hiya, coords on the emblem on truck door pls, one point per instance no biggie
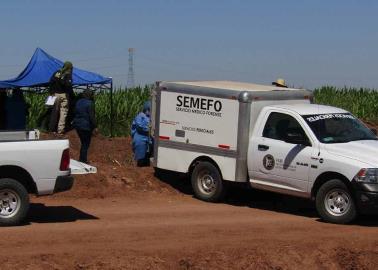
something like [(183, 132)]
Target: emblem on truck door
[(268, 162)]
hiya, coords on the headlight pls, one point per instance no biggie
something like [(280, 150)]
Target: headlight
[(367, 176)]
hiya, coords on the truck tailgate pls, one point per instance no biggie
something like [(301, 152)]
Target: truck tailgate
[(81, 168)]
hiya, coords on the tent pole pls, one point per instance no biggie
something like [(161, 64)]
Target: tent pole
[(111, 109)]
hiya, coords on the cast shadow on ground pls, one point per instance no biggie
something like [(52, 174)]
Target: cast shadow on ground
[(178, 181), (245, 197), (40, 213)]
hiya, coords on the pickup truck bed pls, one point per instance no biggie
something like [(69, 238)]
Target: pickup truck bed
[(29, 165)]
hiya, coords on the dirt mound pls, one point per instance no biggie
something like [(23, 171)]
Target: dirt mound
[(117, 174)]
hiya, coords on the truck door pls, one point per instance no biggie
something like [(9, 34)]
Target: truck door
[(276, 162)]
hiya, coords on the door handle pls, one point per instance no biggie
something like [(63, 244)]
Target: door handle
[(262, 147)]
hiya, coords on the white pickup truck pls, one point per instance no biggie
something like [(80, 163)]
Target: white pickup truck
[(32, 166), (270, 137)]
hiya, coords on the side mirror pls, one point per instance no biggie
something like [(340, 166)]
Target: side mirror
[(374, 131), (296, 138)]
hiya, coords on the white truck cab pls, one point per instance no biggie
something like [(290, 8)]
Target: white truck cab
[(271, 137)]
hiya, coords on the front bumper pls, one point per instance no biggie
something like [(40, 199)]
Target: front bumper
[(366, 197), (63, 183)]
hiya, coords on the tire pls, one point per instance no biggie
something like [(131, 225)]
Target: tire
[(207, 182), (335, 203), (14, 202)]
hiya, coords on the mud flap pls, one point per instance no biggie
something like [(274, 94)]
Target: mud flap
[(81, 168)]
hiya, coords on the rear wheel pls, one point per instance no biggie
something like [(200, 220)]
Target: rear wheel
[(14, 202), (207, 182), (335, 203)]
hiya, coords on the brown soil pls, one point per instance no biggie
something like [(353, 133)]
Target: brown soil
[(125, 218), (117, 174)]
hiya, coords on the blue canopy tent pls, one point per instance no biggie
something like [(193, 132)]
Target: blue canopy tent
[(4, 85), (41, 67)]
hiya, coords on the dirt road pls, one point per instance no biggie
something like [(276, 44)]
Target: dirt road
[(156, 231), (125, 218)]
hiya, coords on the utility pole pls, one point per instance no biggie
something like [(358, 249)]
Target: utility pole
[(130, 75)]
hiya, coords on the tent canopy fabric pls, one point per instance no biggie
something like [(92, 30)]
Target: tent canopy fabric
[(4, 85), (42, 66)]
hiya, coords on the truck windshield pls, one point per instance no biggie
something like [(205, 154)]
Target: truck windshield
[(338, 128)]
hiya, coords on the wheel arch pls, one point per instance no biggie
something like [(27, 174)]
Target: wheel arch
[(202, 159), (325, 177), (20, 175)]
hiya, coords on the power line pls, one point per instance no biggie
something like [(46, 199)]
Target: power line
[(130, 75)]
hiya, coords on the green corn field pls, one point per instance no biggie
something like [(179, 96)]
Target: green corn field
[(126, 105), (361, 102)]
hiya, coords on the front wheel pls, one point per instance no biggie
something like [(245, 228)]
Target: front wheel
[(335, 203), (207, 182), (14, 202)]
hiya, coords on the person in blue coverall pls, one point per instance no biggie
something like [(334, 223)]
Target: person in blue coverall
[(141, 140)]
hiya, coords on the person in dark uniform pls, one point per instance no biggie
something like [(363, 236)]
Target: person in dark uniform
[(16, 111), (84, 122), (61, 87)]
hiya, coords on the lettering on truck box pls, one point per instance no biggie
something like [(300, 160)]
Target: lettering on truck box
[(199, 105), (199, 119)]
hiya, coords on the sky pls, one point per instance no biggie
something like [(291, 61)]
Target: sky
[(308, 43)]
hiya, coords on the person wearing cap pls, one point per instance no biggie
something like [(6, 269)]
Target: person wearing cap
[(84, 122), (280, 83), (61, 87), (141, 141)]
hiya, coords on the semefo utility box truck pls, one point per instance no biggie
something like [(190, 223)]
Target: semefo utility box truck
[(272, 138)]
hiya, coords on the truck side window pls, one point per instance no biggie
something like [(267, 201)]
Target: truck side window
[(279, 124)]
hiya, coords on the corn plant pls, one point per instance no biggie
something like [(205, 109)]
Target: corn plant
[(362, 102), (36, 110), (126, 105)]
